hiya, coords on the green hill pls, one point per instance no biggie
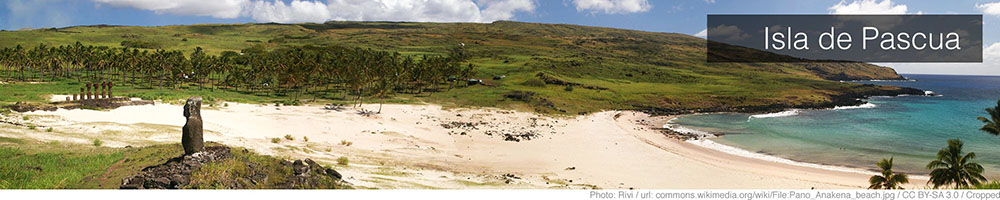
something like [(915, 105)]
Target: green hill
[(552, 68)]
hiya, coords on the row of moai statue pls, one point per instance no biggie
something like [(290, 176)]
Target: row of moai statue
[(88, 93)]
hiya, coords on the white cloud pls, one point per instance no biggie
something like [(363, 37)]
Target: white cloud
[(868, 7), (989, 8), (613, 6), (702, 34), (728, 33), (320, 11), (215, 8), (992, 53), (499, 9), (296, 11), (990, 65)]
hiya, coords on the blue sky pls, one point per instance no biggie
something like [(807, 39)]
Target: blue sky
[(681, 16)]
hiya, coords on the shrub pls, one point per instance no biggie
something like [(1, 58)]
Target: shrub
[(342, 160), (289, 137), (569, 88), (519, 95), (534, 82), (140, 44), (275, 140), (25, 118), (49, 129), (98, 142), (304, 138), (990, 185), (346, 143), (31, 127)]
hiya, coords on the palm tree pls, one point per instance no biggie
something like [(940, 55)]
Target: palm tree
[(991, 125), (952, 167), (888, 180)]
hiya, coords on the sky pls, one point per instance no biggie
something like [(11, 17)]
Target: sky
[(675, 16)]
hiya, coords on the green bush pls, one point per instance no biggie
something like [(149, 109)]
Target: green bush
[(49, 129), (569, 88), (534, 82), (289, 137), (342, 160), (98, 142), (304, 138), (275, 140)]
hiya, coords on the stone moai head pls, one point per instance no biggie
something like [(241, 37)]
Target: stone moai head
[(192, 108), (191, 138)]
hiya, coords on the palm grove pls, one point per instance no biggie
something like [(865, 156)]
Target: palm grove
[(287, 71)]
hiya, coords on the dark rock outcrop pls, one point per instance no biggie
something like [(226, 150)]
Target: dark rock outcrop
[(176, 172), (106, 103), (192, 138), (305, 174), (28, 107)]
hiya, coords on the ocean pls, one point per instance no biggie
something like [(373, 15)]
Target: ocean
[(910, 128)]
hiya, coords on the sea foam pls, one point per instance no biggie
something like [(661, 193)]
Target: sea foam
[(777, 114), (747, 154), (866, 105)]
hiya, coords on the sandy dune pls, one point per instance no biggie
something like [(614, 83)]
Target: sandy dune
[(406, 146)]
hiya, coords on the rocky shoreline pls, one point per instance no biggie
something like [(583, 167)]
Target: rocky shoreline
[(849, 99)]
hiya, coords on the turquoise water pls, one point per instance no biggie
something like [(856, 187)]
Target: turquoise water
[(911, 128)]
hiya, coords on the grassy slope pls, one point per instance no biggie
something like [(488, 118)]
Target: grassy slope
[(29, 164), (641, 69)]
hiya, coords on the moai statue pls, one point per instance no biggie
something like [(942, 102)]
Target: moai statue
[(83, 95), (111, 85), (90, 93), (68, 99), (104, 87), (86, 95), (192, 132), (75, 97)]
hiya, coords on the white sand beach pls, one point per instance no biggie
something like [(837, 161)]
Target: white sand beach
[(406, 146)]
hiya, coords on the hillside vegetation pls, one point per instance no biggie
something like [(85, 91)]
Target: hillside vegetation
[(551, 68)]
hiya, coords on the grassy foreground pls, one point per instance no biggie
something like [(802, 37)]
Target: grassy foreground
[(29, 164)]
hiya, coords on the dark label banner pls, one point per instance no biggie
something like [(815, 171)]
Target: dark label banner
[(838, 38)]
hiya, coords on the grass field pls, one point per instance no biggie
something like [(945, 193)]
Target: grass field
[(607, 68), (30, 164)]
